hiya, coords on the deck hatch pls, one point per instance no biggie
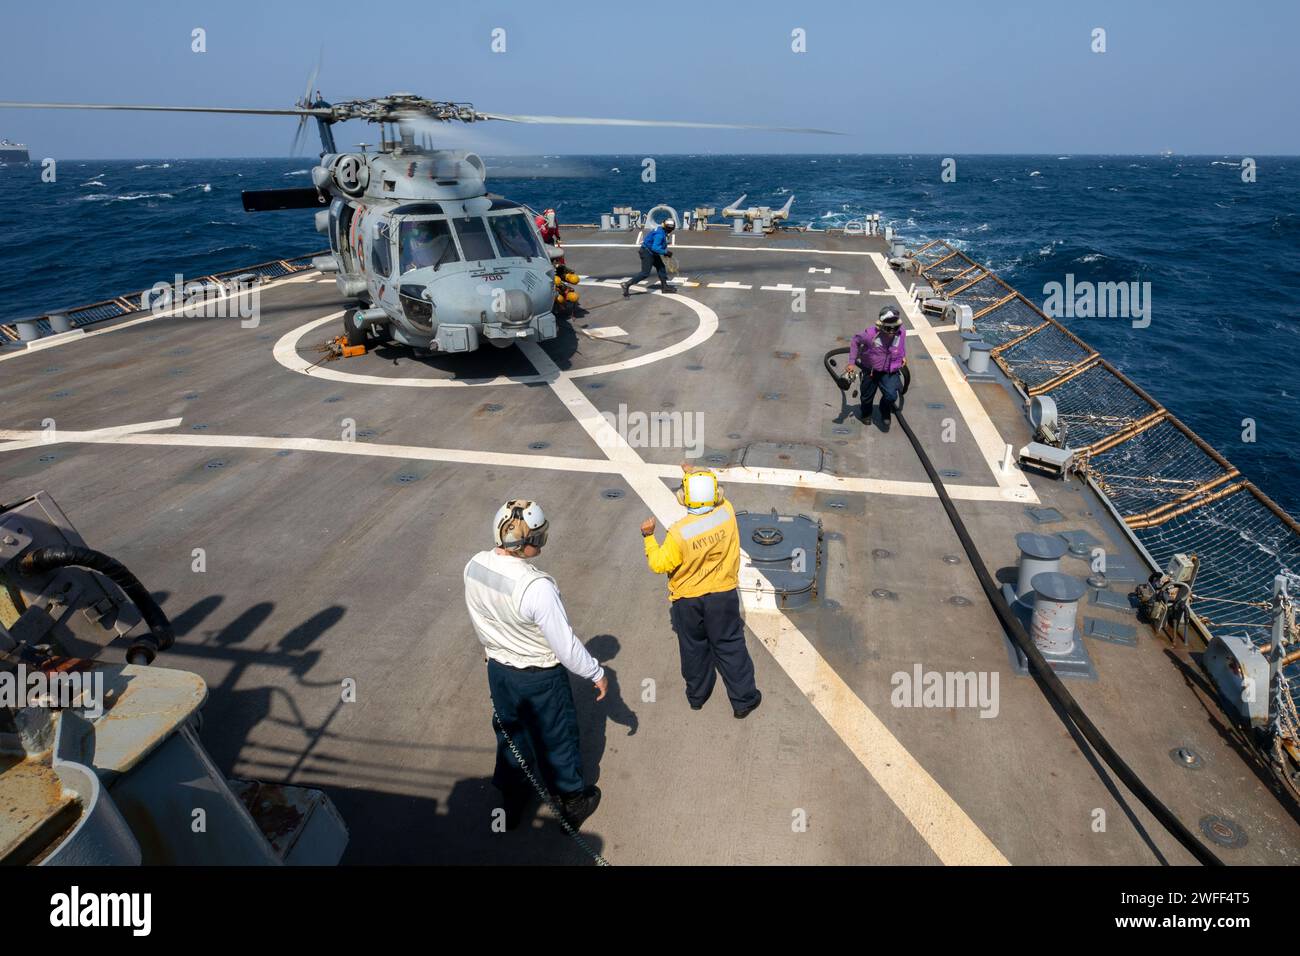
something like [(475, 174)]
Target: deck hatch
[(781, 558)]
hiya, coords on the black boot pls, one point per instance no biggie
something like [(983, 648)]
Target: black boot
[(625, 286), (886, 411), (578, 806), (665, 287), (746, 711)]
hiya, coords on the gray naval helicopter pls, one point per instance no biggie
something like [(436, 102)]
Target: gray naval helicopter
[(433, 259)]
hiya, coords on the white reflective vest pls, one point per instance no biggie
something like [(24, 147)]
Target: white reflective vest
[(494, 585)]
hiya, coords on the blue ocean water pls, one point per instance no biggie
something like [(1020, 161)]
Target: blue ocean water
[(1222, 255)]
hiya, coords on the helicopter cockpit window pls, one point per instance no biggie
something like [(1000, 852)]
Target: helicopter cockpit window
[(474, 241), (381, 252), (425, 243), (514, 235)]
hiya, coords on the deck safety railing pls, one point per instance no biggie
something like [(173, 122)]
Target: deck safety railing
[(1173, 491), (118, 306)]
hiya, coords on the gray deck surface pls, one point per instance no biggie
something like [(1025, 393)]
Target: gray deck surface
[(322, 565)]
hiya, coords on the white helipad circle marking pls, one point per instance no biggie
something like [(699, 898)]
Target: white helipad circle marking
[(286, 353)]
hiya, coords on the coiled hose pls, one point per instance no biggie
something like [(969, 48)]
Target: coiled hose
[(1046, 678), (143, 649), (844, 382)]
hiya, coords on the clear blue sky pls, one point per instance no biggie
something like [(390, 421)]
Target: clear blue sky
[(932, 76)]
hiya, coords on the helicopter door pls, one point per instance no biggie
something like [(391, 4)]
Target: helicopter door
[(381, 251), (343, 239)]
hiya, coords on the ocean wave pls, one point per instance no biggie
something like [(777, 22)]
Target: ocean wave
[(125, 197), (93, 182), (298, 172), (154, 166)]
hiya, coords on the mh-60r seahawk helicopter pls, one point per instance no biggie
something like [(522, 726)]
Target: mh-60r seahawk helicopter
[(434, 260)]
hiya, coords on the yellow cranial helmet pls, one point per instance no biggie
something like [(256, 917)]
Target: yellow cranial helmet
[(700, 489)]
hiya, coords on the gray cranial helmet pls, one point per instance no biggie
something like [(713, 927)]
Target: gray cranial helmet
[(889, 319)]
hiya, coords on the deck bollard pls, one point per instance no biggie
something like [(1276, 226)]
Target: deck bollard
[(1039, 553), (1056, 607)]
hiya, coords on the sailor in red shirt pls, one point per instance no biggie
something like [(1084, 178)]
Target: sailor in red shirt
[(549, 228)]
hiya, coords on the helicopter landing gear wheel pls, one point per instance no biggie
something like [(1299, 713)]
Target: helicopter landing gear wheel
[(353, 333)]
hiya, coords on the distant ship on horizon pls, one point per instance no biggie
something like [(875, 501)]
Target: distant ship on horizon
[(13, 152)]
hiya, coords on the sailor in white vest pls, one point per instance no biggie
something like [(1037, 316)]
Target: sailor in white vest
[(530, 648)]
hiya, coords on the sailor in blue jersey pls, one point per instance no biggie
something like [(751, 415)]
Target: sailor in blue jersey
[(653, 250)]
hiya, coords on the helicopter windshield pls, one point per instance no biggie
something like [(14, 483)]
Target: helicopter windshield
[(474, 241), (425, 243), (514, 235)]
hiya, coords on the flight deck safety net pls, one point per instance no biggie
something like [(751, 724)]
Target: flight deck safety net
[(1175, 493), (83, 315)]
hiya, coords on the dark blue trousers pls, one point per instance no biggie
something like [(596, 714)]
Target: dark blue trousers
[(536, 709), (711, 637), (889, 383), (650, 260)]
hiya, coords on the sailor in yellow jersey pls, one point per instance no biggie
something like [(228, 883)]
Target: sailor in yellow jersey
[(701, 556)]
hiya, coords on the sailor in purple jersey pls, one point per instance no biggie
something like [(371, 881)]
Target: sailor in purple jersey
[(879, 354)]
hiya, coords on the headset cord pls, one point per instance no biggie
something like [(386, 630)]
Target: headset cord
[(546, 794)]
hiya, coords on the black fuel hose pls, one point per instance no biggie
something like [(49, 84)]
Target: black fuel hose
[(1046, 678), (144, 648), (844, 383)]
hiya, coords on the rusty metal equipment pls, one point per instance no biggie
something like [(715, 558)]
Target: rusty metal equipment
[(100, 757)]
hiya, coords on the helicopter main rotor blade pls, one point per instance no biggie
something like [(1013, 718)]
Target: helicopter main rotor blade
[(165, 109), (596, 121)]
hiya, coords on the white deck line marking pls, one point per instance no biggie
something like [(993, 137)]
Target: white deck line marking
[(33, 438), (129, 435), (812, 269), (987, 437), (782, 287), (606, 332), (286, 353), (19, 440), (109, 436), (839, 290), (729, 284), (939, 820), (690, 246), (90, 334)]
